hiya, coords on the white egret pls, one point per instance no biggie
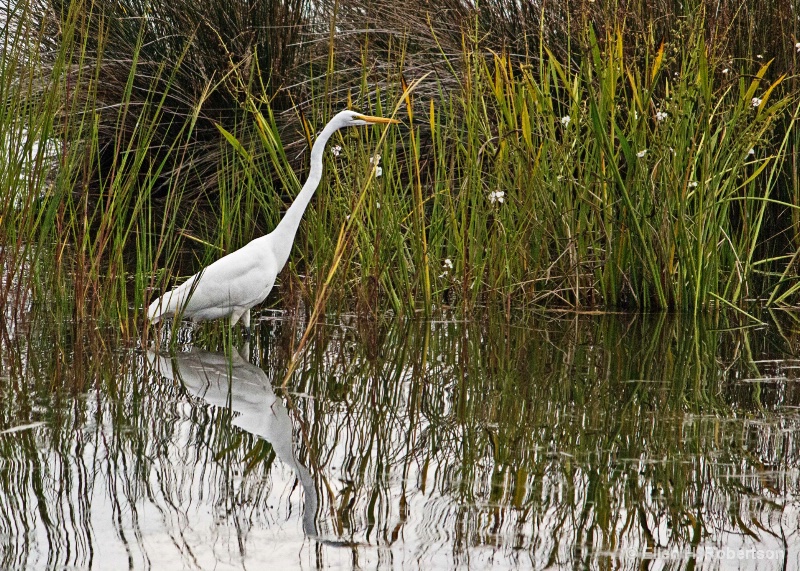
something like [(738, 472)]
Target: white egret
[(233, 284)]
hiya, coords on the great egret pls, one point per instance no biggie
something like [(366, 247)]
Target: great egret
[(233, 284)]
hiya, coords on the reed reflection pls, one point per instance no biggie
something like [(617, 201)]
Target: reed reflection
[(602, 441)]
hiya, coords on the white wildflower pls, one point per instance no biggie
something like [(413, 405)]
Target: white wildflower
[(726, 71), (797, 47), (378, 172), (447, 265), (377, 205), (755, 102), (336, 151), (641, 153), (751, 152), (759, 56), (497, 196), (693, 184), (661, 115), (565, 120)]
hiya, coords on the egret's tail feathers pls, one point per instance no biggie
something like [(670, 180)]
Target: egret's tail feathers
[(171, 302), (155, 312), (164, 306)]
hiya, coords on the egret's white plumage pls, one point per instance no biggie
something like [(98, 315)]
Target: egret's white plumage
[(233, 284)]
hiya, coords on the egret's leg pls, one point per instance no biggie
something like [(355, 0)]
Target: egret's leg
[(246, 323)]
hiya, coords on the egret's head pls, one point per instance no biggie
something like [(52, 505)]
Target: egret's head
[(352, 118)]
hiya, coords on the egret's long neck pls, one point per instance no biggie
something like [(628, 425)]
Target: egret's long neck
[(287, 228)]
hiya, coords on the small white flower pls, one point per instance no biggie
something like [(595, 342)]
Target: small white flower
[(641, 153), (759, 56), (726, 71), (797, 47), (755, 102), (635, 114), (377, 205), (447, 265), (497, 196), (378, 172), (336, 151), (661, 115), (693, 184), (375, 160), (751, 152), (565, 120)]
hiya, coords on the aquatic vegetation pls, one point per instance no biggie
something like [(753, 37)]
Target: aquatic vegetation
[(599, 440), (597, 166)]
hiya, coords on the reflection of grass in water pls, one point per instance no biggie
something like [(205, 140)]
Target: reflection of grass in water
[(565, 433), (511, 420)]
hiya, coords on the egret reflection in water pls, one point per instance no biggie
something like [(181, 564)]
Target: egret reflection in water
[(236, 384), (586, 441)]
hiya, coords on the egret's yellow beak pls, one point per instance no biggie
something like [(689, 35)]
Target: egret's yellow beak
[(371, 119)]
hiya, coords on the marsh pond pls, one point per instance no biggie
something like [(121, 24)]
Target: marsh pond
[(564, 441)]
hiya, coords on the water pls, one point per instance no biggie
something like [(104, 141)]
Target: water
[(607, 441)]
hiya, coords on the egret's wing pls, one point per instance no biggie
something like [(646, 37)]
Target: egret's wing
[(231, 281), (240, 279)]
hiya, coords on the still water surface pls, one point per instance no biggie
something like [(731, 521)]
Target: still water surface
[(601, 442)]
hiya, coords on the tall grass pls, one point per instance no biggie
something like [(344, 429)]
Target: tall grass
[(598, 169), (622, 185), (115, 208), (25, 127)]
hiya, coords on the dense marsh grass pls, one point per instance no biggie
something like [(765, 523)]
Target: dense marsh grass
[(601, 164), (620, 186)]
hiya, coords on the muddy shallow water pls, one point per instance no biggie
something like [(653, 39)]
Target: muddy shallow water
[(606, 441)]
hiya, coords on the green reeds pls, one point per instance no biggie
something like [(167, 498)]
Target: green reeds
[(95, 190), (600, 182), (642, 176)]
